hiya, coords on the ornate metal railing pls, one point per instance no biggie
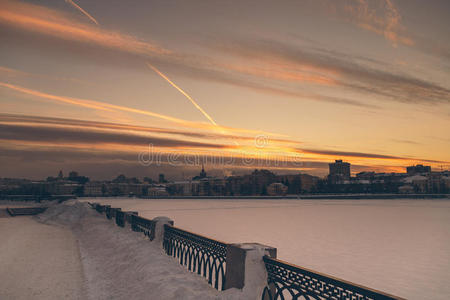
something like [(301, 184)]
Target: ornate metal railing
[(199, 254), (25, 211), (120, 218), (99, 208), (129, 214), (108, 211), (144, 225), (114, 212), (286, 281)]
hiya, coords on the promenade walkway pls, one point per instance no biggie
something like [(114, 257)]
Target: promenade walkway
[(72, 252), (38, 261)]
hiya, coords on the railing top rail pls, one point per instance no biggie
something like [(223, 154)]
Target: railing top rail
[(332, 279), (139, 218), (196, 234)]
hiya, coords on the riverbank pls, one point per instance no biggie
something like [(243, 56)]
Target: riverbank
[(313, 196)]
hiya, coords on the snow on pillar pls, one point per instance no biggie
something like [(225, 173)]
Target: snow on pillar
[(159, 228), (245, 268)]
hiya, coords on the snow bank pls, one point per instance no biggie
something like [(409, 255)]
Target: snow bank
[(121, 264), (69, 213)]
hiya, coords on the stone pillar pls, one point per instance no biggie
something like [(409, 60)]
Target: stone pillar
[(159, 228), (245, 268)]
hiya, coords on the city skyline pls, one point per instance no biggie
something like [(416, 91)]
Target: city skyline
[(89, 86)]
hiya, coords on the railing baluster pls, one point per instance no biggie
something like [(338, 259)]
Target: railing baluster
[(198, 253), (284, 279)]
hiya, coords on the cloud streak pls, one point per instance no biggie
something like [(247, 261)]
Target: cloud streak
[(381, 17), (46, 21), (363, 155), (281, 68), (51, 23), (47, 121), (346, 72), (61, 136), (49, 132), (102, 106)]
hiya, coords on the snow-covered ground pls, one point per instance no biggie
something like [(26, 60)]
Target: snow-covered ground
[(398, 246), (72, 252), (38, 261)]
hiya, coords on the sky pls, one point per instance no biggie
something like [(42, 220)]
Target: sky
[(144, 87)]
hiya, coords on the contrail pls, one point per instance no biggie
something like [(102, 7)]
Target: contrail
[(190, 99), (82, 10), (184, 93)]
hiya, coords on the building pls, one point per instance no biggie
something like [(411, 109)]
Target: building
[(276, 189), (93, 189), (418, 169), (365, 176), (185, 188), (308, 183), (339, 172), (161, 178), (406, 189), (124, 189), (157, 191), (201, 175)]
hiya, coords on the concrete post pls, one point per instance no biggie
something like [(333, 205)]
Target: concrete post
[(245, 268), (159, 228)]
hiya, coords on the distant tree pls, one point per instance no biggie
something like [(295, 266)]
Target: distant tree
[(74, 176), (133, 180), (120, 179), (148, 180), (264, 191)]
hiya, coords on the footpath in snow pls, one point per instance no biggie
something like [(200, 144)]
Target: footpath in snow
[(38, 261)]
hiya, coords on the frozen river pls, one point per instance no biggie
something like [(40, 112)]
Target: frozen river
[(397, 246)]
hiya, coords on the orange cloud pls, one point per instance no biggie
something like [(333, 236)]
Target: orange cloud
[(50, 22), (13, 72), (102, 106), (383, 19), (277, 72), (62, 122), (330, 154)]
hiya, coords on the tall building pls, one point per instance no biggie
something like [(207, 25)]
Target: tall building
[(203, 173), (161, 178), (418, 169), (339, 171)]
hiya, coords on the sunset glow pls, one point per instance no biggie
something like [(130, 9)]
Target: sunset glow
[(312, 81)]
